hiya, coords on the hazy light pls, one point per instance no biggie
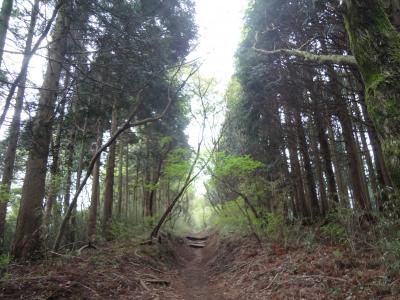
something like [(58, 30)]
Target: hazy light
[(220, 27)]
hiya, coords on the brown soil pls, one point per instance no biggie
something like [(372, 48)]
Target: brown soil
[(206, 267), (322, 271), (193, 255)]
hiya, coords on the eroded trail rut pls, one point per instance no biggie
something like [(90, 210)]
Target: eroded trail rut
[(194, 255)]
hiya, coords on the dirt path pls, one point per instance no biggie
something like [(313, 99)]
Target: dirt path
[(193, 256)]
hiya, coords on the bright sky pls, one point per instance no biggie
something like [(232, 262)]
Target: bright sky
[(220, 27)]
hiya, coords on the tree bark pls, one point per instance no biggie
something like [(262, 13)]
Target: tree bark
[(120, 179), (301, 205), (355, 167), (375, 44), (94, 199), (320, 177), (368, 159), (338, 168), (303, 147), (321, 125), (383, 177), (25, 62), (68, 184), (27, 240), (127, 180), (14, 130), (5, 14), (55, 168), (109, 181)]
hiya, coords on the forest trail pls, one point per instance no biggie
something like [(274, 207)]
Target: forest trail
[(206, 266), (193, 257)]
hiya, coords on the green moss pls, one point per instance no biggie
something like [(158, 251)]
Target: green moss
[(375, 44)]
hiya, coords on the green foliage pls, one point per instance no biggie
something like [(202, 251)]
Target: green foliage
[(5, 260), (276, 227), (238, 166), (335, 232), (387, 240), (309, 239), (129, 229), (178, 163), (391, 256), (230, 218), (233, 95)]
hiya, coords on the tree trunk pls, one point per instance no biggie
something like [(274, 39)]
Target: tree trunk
[(321, 124), (375, 44), (109, 181), (120, 179), (55, 168), (127, 180), (94, 199), (383, 177), (359, 186), (320, 177), (301, 206), (315, 210), (5, 14), (371, 170), (27, 240), (342, 187), (356, 172), (73, 226), (14, 130), (68, 184)]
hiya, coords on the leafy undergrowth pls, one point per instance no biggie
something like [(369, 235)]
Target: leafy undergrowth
[(319, 271), (116, 271)]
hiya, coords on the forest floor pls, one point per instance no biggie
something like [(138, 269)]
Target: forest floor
[(204, 266)]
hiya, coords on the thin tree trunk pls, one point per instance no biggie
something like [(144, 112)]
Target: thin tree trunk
[(342, 187), (355, 164), (320, 177), (68, 184), (120, 179), (94, 199), (5, 14), (14, 131), (25, 62), (109, 181), (73, 225), (383, 177), (321, 124), (55, 167), (127, 179), (368, 159), (301, 205), (27, 239), (353, 160), (315, 210)]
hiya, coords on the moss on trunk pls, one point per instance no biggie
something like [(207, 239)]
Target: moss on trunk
[(376, 46)]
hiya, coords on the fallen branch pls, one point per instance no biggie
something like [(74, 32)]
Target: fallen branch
[(271, 282), (88, 246), (143, 284), (157, 281)]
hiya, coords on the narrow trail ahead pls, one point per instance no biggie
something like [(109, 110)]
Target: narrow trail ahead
[(206, 266), (193, 256)]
